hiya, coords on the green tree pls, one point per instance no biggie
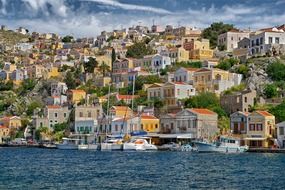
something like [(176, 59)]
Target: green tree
[(60, 127), (32, 106), (214, 30), (138, 50), (70, 80), (5, 86), (270, 91), (27, 85), (276, 71), (90, 65), (114, 56), (141, 80), (226, 64), (67, 39), (279, 112), (242, 69)]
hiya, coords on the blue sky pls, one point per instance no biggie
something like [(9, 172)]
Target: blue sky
[(89, 17)]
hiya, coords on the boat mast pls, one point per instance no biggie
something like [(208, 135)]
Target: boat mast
[(134, 79), (108, 105)]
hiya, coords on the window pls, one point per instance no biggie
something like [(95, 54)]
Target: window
[(251, 127), (245, 99), (171, 126), (156, 126), (55, 114), (277, 40), (80, 114), (89, 114), (232, 38), (257, 42), (261, 40), (270, 40), (64, 114), (41, 124), (258, 127), (281, 130)]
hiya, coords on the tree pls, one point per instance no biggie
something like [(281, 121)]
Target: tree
[(104, 68), (114, 56), (32, 106), (5, 86), (214, 30), (279, 112), (242, 69), (27, 85), (60, 127), (226, 64), (270, 91), (138, 50), (90, 65), (70, 80), (276, 71), (67, 39)]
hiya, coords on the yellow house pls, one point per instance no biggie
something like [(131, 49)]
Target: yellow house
[(52, 72), (207, 80), (75, 96), (150, 123), (261, 129), (121, 111), (199, 49), (104, 59), (4, 133), (178, 54), (11, 122)]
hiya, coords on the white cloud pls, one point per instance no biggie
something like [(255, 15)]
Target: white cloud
[(125, 6), (3, 8)]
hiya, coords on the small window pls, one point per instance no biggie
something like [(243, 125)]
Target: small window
[(80, 114), (55, 115), (64, 115), (281, 130)]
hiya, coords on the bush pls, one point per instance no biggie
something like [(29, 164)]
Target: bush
[(138, 50), (278, 112), (226, 64), (270, 91), (276, 71)]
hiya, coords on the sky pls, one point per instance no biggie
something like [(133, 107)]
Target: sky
[(87, 18)]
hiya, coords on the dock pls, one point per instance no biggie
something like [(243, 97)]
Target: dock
[(266, 150)]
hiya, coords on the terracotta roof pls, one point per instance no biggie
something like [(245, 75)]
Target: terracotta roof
[(203, 111), (53, 107), (148, 117), (121, 108), (126, 97), (3, 127), (203, 70), (192, 69), (264, 113)]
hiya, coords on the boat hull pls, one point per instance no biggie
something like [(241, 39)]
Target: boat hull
[(206, 147)]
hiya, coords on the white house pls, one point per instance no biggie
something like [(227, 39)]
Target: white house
[(125, 125), (263, 41), (184, 75), (159, 62)]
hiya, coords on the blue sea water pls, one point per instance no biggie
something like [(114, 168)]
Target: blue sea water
[(31, 168)]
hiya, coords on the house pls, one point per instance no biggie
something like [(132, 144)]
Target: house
[(256, 129), (144, 63), (56, 100), (149, 123), (122, 65), (200, 49), (125, 125), (238, 101), (11, 122), (36, 71), (4, 133), (86, 118), (171, 92), (120, 111), (229, 40), (52, 114), (267, 41), (281, 134), (200, 123), (185, 75), (178, 54), (102, 81), (75, 96), (58, 88), (159, 62), (18, 76), (215, 80), (126, 98)]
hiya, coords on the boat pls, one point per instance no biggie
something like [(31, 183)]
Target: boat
[(172, 146), (68, 144), (189, 148), (224, 144), (112, 145), (139, 144), (87, 147)]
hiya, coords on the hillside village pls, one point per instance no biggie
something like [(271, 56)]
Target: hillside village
[(171, 82)]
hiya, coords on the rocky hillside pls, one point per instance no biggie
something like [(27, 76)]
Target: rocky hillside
[(12, 38)]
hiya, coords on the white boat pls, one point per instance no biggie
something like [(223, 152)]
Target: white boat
[(112, 145), (87, 147), (138, 144), (225, 144), (171, 146), (68, 144)]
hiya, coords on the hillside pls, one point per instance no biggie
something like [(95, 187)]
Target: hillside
[(12, 38)]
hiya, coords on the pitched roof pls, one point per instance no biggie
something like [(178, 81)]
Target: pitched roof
[(192, 69), (53, 107), (120, 108), (264, 113), (126, 97), (203, 70), (148, 117), (202, 111), (77, 91), (3, 127)]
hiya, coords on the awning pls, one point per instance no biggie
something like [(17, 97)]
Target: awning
[(255, 138), (172, 136)]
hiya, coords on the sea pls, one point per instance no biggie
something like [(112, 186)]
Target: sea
[(34, 168)]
